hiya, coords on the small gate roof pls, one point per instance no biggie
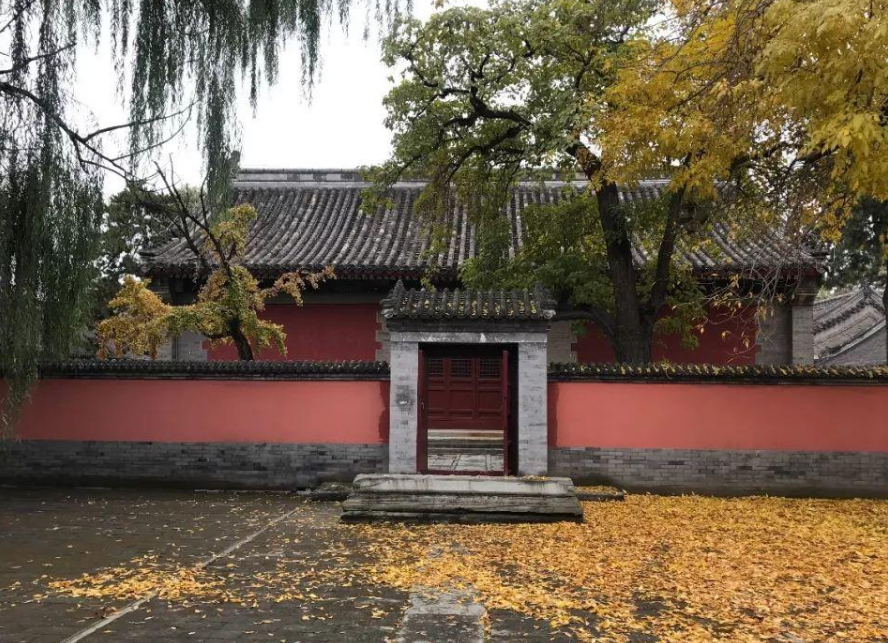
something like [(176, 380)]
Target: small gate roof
[(495, 305)]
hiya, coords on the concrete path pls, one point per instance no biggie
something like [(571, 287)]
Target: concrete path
[(436, 615), (48, 534)]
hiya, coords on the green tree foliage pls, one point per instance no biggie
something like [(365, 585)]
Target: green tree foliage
[(133, 220), (861, 255), (564, 250), (729, 101), (174, 61)]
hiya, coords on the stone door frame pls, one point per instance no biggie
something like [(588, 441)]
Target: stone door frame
[(532, 408)]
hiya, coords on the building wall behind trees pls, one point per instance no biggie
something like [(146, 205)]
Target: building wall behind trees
[(332, 330), (319, 332)]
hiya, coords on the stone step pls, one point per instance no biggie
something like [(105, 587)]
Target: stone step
[(464, 434), (465, 447), (461, 498)]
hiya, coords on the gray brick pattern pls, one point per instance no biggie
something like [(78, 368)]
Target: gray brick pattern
[(189, 346), (775, 336), (383, 338), (561, 342), (727, 472), (194, 465), (292, 466), (803, 334)]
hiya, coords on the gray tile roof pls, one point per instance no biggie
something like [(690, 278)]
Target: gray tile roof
[(312, 218), (484, 305), (842, 322)]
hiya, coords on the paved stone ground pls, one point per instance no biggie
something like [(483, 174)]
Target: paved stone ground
[(48, 534)]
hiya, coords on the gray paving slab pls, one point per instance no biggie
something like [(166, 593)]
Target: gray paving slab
[(48, 534), (287, 584)]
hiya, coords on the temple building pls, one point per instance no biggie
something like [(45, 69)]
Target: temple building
[(312, 218)]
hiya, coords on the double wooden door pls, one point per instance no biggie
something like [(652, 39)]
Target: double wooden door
[(465, 411)]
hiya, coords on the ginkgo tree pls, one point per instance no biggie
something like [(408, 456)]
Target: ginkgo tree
[(760, 114), (228, 305)]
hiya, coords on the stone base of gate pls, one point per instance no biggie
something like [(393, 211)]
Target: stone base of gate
[(456, 498)]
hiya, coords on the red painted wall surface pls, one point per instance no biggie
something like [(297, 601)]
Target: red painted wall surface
[(725, 339), (337, 332), (718, 416), (208, 411), (320, 332)]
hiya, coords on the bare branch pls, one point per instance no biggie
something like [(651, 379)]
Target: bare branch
[(28, 61), (138, 123)]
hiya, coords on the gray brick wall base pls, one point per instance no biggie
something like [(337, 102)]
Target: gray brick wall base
[(294, 466), (725, 472), (231, 465)]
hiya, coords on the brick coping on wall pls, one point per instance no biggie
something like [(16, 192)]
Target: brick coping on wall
[(231, 370), (357, 370), (719, 374)]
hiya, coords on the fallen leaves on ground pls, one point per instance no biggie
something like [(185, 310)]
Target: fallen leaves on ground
[(688, 569), (599, 489), (147, 575)]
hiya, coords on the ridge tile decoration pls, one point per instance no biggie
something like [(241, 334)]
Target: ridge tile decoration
[(501, 305), (313, 218)]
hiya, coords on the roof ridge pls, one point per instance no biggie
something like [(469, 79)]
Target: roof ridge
[(278, 177), (858, 300), (833, 297)]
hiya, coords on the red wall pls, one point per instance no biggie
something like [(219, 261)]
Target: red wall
[(353, 412), (718, 416), (320, 332), (724, 339), (594, 414), (337, 332)]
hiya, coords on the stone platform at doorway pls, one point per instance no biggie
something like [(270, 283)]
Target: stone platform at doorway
[(461, 498)]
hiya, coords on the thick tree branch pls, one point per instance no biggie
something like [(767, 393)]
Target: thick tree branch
[(665, 252)]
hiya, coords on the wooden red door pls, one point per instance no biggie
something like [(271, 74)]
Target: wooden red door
[(464, 405)]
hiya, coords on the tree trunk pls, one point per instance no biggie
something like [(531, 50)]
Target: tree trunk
[(244, 350), (633, 336)]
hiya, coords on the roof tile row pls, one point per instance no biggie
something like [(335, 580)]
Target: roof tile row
[(310, 225), (484, 305)]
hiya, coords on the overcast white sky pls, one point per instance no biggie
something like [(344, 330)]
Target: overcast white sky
[(341, 127)]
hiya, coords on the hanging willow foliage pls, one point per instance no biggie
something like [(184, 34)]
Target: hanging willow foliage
[(179, 59)]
